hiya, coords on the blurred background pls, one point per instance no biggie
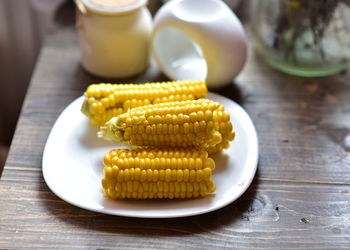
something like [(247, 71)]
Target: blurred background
[(23, 24), (22, 28)]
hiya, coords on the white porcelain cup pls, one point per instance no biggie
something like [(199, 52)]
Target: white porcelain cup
[(196, 39)]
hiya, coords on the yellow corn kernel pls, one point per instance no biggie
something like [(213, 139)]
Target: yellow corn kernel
[(135, 177), (104, 101), (199, 123)]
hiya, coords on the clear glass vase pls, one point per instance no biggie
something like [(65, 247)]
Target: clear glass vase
[(303, 37)]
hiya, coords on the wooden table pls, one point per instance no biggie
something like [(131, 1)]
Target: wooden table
[(299, 198)]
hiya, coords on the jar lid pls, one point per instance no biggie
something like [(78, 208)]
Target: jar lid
[(109, 7)]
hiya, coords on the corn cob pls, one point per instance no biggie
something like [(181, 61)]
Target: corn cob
[(201, 123), (157, 173), (104, 101)]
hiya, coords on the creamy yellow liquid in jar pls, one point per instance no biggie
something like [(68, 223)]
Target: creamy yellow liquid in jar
[(113, 3), (114, 37)]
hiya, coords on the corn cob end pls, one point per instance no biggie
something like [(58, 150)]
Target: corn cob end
[(109, 130), (85, 107)]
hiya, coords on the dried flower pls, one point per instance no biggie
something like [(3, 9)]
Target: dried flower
[(299, 16)]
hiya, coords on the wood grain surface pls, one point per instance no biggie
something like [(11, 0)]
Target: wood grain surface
[(299, 198)]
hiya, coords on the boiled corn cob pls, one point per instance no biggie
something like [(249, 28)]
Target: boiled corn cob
[(104, 101), (201, 123), (157, 173)]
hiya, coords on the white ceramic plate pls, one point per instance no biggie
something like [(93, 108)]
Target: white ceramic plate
[(72, 167)]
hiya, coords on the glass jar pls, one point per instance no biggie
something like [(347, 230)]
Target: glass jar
[(114, 36), (303, 37)]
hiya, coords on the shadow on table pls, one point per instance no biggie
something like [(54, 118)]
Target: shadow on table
[(231, 91), (151, 74)]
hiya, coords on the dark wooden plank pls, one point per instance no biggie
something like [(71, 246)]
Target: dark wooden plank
[(270, 214), (303, 124)]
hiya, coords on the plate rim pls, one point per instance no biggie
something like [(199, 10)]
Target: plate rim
[(114, 212)]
